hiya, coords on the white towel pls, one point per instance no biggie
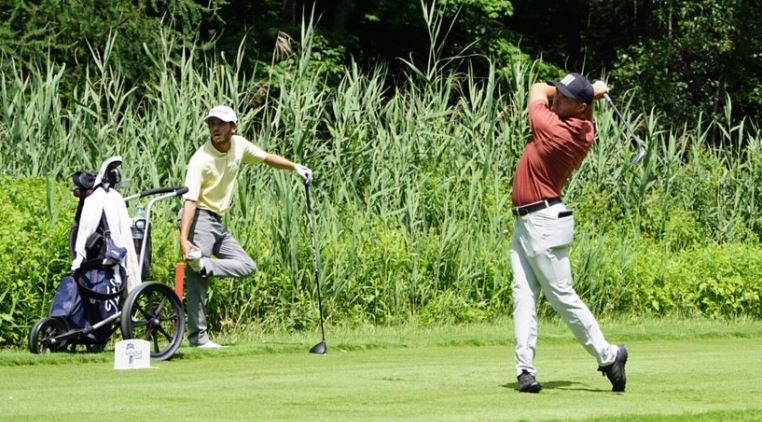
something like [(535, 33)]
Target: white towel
[(111, 204)]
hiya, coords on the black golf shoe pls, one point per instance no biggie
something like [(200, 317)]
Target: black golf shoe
[(615, 372), (528, 383)]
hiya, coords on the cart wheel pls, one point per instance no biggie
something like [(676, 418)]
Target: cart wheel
[(42, 338), (153, 312)]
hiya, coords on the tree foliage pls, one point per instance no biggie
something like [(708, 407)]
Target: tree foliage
[(706, 51), (682, 58), (71, 32)]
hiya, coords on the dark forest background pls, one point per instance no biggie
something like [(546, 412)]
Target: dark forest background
[(681, 58)]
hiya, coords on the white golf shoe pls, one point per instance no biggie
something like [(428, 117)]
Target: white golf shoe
[(211, 345)]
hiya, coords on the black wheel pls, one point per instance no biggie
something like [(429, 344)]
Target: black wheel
[(42, 338), (153, 312)]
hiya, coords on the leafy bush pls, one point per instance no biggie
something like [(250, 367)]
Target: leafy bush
[(35, 217), (717, 281), (374, 273), (451, 307)]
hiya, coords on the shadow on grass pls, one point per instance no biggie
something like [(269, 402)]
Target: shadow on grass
[(559, 385)]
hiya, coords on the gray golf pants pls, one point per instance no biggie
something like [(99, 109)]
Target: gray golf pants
[(223, 257), (540, 262)]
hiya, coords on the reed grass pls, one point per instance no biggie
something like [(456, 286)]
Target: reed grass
[(413, 179)]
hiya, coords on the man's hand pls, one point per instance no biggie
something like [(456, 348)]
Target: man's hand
[(600, 89), (304, 172), (187, 246)]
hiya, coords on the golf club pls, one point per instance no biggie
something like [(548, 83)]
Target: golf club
[(320, 348), (641, 149)]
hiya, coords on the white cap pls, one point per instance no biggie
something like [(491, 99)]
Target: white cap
[(224, 113)]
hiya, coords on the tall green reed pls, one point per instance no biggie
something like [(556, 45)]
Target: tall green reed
[(412, 180)]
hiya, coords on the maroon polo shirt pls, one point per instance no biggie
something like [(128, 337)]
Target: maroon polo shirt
[(557, 147)]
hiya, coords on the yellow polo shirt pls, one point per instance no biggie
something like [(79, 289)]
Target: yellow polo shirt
[(211, 175)]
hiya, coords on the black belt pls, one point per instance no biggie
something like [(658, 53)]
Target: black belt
[(536, 206)]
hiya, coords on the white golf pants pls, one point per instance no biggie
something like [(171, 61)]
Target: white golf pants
[(540, 261)]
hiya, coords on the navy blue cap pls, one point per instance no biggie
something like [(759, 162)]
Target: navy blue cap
[(576, 86)]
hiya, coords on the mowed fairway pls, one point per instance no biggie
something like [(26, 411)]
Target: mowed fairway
[(684, 371)]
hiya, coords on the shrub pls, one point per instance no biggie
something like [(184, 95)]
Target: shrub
[(35, 218)]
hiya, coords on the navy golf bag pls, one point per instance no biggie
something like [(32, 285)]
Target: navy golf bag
[(92, 293)]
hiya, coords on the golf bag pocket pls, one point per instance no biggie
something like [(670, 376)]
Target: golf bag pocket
[(101, 294), (559, 232), (101, 283), (67, 304)]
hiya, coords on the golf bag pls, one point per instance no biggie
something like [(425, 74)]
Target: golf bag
[(92, 292)]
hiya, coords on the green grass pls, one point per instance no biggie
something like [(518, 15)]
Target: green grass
[(687, 370)]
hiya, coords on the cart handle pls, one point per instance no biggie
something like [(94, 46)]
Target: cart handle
[(178, 190)]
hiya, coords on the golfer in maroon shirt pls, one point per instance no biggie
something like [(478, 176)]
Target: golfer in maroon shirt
[(561, 119)]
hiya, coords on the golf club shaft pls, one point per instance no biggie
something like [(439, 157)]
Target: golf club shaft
[(624, 121), (313, 245)]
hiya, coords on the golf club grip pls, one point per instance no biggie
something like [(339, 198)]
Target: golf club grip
[(310, 215), (179, 190), (309, 197)]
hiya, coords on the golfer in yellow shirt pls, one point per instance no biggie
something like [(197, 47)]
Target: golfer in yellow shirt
[(206, 244)]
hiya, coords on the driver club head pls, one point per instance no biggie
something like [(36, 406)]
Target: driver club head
[(639, 157), (320, 348)]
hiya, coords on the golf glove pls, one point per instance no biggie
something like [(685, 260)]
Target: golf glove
[(304, 172)]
